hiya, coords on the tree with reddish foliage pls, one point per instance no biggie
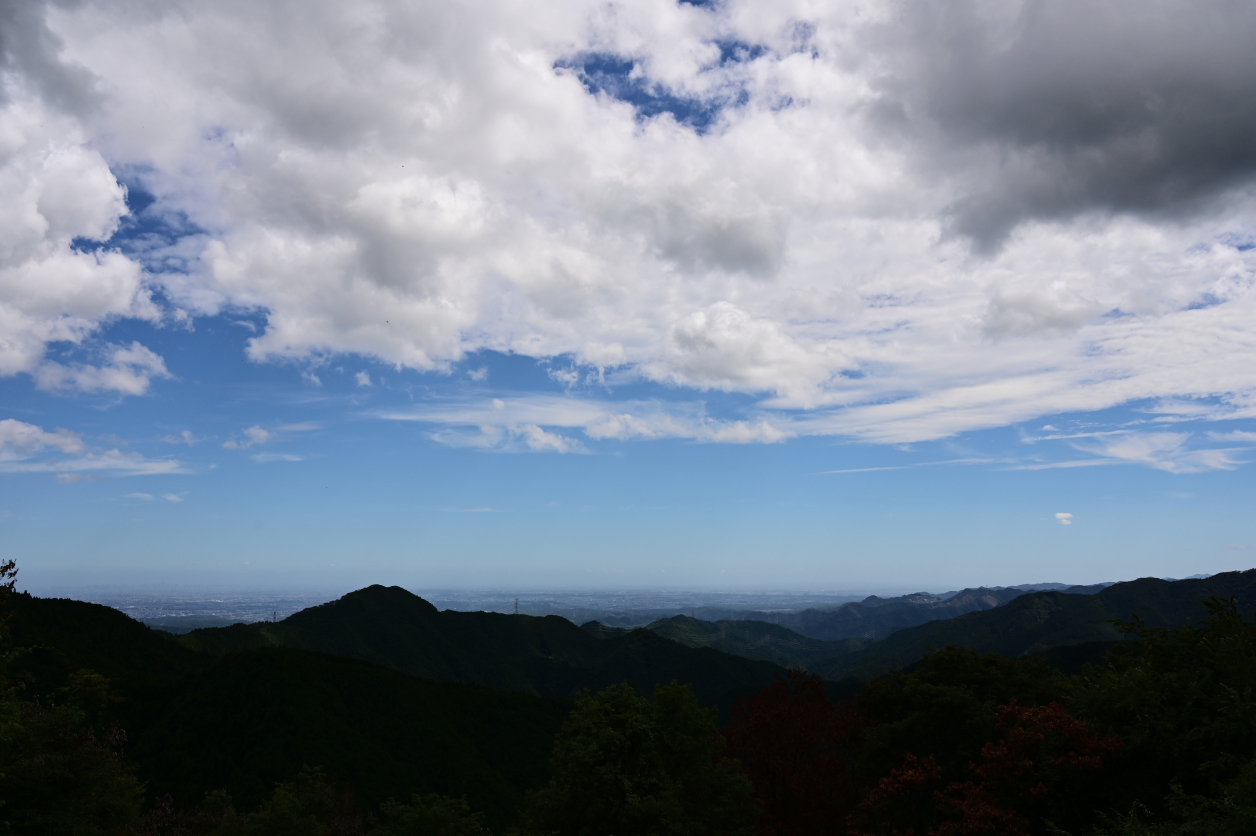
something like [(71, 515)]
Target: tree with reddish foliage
[(902, 803), (1030, 777), (795, 745), (1040, 760)]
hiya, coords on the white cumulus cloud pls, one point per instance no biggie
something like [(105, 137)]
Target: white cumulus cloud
[(906, 221), (56, 189)]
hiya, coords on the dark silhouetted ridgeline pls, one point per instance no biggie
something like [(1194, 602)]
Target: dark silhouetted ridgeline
[(547, 656), (333, 711), (244, 720)]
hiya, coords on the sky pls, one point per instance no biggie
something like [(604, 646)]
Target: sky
[(694, 295)]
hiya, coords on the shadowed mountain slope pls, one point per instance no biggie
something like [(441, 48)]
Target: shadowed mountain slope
[(251, 719), (147, 667), (246, 720), (1039, 621), (548, 656)]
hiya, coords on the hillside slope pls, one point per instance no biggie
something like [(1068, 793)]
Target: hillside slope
[(244, 721), (252, 719), (754, 640)]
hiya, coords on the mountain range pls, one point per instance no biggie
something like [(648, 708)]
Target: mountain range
[(875, 617), (1021, 623), (391, 696), (378, 689)]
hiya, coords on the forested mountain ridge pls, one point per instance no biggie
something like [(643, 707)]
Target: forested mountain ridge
[(241, 722), (1028, 623), (244, 707), (1039, 621), (1156, 741), (547, 656)]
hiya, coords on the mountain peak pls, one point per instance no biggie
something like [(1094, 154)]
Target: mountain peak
[(374, 597)]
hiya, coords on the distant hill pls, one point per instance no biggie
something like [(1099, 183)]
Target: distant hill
[(547, 656), (754, 640), (876, 617), (1068, 627), (1036, 622), (642, 611)]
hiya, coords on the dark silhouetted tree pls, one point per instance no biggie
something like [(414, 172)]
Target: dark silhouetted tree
[(307, 805), (796, 746), (1182, 701), (624, 765), (1029, 778), (61, 767)]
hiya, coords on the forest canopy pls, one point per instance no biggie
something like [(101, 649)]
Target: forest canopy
[(98, 715)]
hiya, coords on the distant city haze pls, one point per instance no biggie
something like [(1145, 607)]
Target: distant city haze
[(183, 610)]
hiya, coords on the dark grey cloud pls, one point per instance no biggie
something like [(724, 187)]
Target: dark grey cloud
[(31, 51), (1049, 109)]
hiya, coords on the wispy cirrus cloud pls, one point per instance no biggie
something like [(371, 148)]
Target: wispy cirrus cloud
[(1242, 436), (27, 448), (519, 422), (1167, 451), (548, 422), (256, 436), (913, 466), (276, 457), (186, 437), (128, 370)]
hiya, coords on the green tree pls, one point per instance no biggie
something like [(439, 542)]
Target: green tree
[(429, 815), (627, 766), (163, 819), (1182, 701), (945, 710), (308, 805), (1231, 812)]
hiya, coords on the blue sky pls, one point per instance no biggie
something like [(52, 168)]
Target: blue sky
[(339, 494), (677, 295)]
